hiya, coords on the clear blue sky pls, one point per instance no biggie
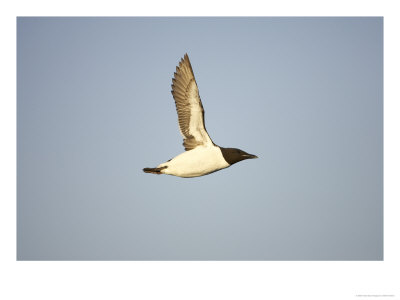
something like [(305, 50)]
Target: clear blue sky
[(94, 108)]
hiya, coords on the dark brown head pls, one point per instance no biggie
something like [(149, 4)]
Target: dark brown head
[(233, 155)]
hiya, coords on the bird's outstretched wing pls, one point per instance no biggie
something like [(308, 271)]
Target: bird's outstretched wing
[(189, 107)]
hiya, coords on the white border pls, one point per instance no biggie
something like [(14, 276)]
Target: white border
[(197, 280)]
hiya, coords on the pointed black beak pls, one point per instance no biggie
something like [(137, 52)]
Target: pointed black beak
[(250, 156)]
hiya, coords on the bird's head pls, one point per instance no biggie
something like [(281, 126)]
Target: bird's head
[(234, 155)]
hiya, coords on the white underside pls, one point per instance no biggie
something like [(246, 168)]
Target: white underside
[(196, 162)]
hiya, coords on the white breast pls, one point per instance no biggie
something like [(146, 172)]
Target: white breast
[(196, 162)]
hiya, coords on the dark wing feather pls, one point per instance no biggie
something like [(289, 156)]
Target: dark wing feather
[(189, 107)]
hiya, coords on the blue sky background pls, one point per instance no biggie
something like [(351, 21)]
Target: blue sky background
[(94, 108)]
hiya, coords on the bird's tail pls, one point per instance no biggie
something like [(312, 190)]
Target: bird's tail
[(154, 170)]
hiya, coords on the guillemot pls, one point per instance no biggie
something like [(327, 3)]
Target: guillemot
[(201, 156)]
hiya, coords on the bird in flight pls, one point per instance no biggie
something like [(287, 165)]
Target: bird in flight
[(201, 156)]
